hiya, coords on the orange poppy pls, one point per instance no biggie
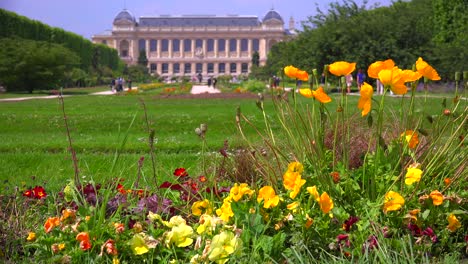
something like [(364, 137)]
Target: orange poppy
[(365, 101), (342, 68), (426, 70), (376, 67), (318, 94), (394, 79)]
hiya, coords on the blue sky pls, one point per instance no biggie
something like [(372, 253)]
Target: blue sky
[(89, 17)]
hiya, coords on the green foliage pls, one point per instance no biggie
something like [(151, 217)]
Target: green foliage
[(138, 73), (254, 86), (142, 60), (256, 59), (27, 65)]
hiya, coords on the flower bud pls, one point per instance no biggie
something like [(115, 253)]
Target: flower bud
[(204, 127), (447, 112)]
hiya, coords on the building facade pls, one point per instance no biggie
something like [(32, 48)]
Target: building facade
[(190, 44)]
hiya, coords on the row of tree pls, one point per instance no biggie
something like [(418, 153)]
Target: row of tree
[(433, 29), (37, 56)]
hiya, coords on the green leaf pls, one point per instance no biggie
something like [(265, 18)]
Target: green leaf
[(370, 120), (425, 214)]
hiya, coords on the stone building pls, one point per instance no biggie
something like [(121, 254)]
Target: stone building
[(191, 44)]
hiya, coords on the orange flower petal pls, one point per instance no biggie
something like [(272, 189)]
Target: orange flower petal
[(306, 92), (365, 100), (426, 70), (321, 96), (341, 68), (376, 67)]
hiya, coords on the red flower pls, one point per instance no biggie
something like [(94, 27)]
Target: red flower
[(121, 189), (28, 193), (83, 237), (349, 223), (37, 192), (180, 172), (202, 178)]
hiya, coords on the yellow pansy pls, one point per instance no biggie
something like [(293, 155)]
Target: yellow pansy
[(454, 224), (437, 198), (222, 246), (393, 201), (413, 175), (138, 245), (313, 191), (238, 191), (268, 196), (411, 138), (200, 207), (326, 203)]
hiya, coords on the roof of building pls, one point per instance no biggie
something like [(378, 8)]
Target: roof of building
[(124, 15), (199, 20), (272, 14)]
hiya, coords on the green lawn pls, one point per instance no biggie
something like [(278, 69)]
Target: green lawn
[(33, 141)]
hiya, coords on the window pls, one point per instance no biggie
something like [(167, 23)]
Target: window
[(233, 68), (198, 43), (165, 68), (187, 45), (176, 45), (141, 44), (124, 48), (221, 45), (210, 45), (210, 67), (233, 45), (221, 68), (153, 45), (245, 67), (255, 45), (104, 42), (187, 68), (244, 44), (199, 67), (165, 45), (176, 68), (153, 67)]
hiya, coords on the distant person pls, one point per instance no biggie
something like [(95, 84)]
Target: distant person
[(360, 78), (273, 82), (214, 82), (129, 81), (380, 87), (349, 82), (209, 82), (112, 85), (277, 81), (200, 77), (322, 79), (119, 84)]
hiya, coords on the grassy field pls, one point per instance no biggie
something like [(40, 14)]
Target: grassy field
[(34, 146)]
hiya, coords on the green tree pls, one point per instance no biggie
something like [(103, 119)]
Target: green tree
[(27, 65), (256, 59), (142, 60)]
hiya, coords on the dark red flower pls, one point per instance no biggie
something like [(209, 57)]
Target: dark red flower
[(343, 239), (415, 230), (39, 192), (180, 172), (28, 193), (370, 244), (349, 223), (166, 184), (430, 233)]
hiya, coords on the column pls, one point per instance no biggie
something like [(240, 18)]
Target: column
[(216, 48), (239, 68), (227, 47), (147, 47), (170, 69), (193, 49), (158, 49), (249, 45), (182, 47), (204, 47), (238, 52)]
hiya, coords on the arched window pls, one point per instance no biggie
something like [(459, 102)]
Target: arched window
[(176, 45), (141, 44), (245, 68), (153, 45), (233, 68), (221, 68), (165, 45), (233, 45), (244, 44), (221, 45), (210, 45), (124, 48), (187, 45), (255, 44)]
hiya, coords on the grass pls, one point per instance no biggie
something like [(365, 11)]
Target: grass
[(34, 141)]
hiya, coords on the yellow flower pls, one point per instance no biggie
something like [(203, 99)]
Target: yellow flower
[(454, 224), (293, 206), (293, 72), (289, 179), (413, 175), (222, 246), (394, 79), (225, 212), (297, 187), (426, 70), (411, 138), (115, 260), (238, 191), (31, 236), (309, 221), (376, 67), (313, 191), (68, 214), (365, 101), (180, 236), (138, 245), (437, 197), (318, 94), (290, 71), (200, 207), (393, 201), (207, 224), (295, 166), (341, 68), (326, 203), (269, 197), (411, 76)]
